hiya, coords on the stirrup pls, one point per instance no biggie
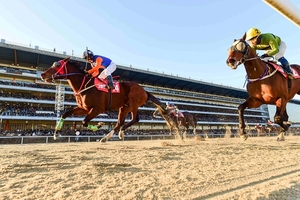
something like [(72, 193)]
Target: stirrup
[(110, 87), (290, 76)]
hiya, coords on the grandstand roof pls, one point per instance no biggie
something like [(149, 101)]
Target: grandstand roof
[(33, 56)]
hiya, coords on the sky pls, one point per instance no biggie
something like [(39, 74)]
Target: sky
[(187, 38)]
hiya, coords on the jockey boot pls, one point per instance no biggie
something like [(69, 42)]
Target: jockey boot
[(286, 67), (110, 84)]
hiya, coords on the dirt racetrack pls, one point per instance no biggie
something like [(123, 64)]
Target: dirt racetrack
[(259, 168)]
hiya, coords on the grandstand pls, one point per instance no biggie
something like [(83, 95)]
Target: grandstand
[(30, 106)]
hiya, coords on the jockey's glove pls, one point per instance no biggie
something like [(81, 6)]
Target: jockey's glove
[(264, 56), (87, 73)]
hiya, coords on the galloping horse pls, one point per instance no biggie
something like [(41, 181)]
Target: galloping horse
[(267, 129), (272, 128), (261, 129), (266, 85), (171, 120), (127, 97)]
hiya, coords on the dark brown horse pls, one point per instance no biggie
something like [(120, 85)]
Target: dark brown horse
[(174, 123), (261, 129), (267, 129), (265, 85), (273, 128), (91, 102)]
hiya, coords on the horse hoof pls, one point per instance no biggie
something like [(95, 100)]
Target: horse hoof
[(244, 137), (280, 139), (100, 124), (103, 140), (281, 136), (121, 135)]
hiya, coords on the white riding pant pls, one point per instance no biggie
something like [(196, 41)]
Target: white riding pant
[(107, 71), (282, 48)]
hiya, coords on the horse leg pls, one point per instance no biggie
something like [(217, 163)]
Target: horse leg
[(242, 125), (280, 117), (121, 120), (194, 129), (111, 133), (286, 121), (75, 111), (268, 132), (249, 103), (180, 136), (91, 115), (185, 131), (134, 119), (115, 129)]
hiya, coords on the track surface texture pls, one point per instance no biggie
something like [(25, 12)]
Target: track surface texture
[(258, 168)]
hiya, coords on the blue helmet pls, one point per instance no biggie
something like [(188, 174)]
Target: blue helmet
[(169, 104)]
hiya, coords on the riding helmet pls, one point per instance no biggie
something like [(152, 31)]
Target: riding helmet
[(252, 33), (87, 54)]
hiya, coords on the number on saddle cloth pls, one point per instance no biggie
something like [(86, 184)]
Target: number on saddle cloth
[(102, 85)]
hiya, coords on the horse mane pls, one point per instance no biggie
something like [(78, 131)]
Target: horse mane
[(77, 65)]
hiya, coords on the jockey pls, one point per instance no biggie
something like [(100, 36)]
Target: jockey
[(272, 45), (174, 109), (270, 122), (100, 62)]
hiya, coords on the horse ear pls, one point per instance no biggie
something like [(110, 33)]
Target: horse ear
[(244, 36), (67, 59)]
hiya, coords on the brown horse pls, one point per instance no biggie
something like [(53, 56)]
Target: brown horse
[(267, 129), (172, 122), (265, 85), (261, 129), (273, 128), (91, 102)]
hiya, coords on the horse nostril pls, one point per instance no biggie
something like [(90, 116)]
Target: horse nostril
[(231, 60)]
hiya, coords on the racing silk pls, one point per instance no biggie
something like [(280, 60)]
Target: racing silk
[(268, 42), (100, 62), (175, 110)]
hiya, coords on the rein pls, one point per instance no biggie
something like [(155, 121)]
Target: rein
[(85, 89), (245, 59), (63, 65), (66, 75)]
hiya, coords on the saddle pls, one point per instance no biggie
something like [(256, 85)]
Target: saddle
[(179, 114), (280, 69)]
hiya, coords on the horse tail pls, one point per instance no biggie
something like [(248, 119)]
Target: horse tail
[(195, 120), (154, 100)]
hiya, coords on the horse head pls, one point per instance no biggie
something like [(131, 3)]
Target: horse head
[(62, 69), (239, 53), (159, 111)]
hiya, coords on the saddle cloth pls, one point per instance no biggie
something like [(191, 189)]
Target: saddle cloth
[(280, 69), (102, 85)]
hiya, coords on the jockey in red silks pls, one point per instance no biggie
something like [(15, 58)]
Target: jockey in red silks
[(174, 109), (100, 62)]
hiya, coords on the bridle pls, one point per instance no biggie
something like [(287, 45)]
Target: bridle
[(61, 70), (245, 52)]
